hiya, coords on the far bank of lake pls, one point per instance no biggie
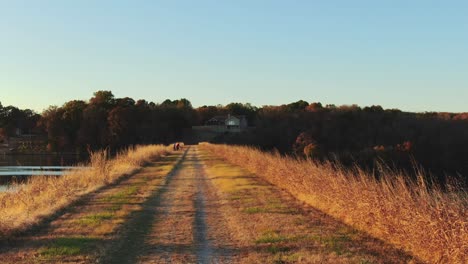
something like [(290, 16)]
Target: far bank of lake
[(19, 167), (17, 159)]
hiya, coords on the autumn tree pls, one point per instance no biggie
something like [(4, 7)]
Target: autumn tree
[(103, 99), (246, 110), (299, 105), (121, 120), (72, 116), (205, 113), (51, 121)]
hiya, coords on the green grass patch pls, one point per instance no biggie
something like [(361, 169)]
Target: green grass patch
[(282, 255), (131, 190), (122, 196), (119, 197), (95, 219), (271, 237), (275, 249), (277, 210), (67, 246), (114, 208), (254, 210), (295, 257), (276, 205), (336, 243)]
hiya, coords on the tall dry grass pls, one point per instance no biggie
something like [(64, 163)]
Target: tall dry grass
[(430, 223), (42, 196)]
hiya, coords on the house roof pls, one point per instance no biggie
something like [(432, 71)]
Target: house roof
[(224, 117), (218, 118)]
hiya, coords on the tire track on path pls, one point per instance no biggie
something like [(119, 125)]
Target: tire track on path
[(129, 244), (204, 250)]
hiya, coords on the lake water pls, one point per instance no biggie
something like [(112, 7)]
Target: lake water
[(41, 160), (21, 167)]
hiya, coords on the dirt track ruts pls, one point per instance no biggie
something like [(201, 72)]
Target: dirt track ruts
[(172, 226)]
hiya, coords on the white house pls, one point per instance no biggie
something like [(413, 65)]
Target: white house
[(229, 123)]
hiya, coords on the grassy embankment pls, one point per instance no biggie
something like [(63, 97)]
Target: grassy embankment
[(270, 226), (430, 223), (43, 196)]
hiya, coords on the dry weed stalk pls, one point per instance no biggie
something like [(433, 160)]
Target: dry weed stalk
[(429, 222)]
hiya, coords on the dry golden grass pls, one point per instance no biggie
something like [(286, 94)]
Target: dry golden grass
[(430, 223), (43, 196), (273, 227)]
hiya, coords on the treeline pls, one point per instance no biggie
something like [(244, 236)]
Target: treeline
[(355, 135), (13, 119), (351, 134), (106, 121)]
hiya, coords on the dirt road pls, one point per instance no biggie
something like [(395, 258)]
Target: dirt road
[(172, 227), (195, 208)]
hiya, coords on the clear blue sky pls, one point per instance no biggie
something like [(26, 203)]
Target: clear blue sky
[(411, 55)]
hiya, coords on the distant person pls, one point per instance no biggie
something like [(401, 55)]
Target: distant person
[(177, 146)]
